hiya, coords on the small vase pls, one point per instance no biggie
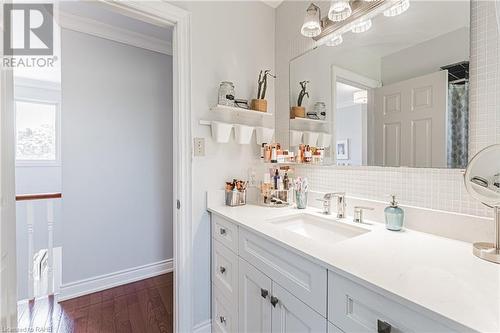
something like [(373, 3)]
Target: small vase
[(301, 199), (298, 112), (259, 105)]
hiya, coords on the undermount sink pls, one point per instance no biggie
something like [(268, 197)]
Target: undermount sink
[(318, 228)]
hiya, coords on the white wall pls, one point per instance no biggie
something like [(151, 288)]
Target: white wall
[(116, 155), (443, 50), (230, 41)]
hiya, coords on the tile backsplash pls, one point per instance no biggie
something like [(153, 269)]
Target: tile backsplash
[(440, 189)]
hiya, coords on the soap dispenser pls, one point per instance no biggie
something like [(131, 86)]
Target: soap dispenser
[(394, 215)]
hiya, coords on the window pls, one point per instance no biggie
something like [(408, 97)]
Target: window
[(36, 133)]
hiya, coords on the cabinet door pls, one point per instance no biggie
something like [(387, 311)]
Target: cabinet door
[(254, 300), (290, 315)]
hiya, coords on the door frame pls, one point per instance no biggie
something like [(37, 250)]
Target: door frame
[(345, 76), (161, 13)]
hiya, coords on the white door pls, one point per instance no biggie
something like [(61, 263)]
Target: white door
[(8, 287), (410, 122), (291, 315), (254, 300)]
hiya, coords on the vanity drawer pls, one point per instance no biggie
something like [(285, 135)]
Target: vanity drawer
[(225, 232), (224, 313), (225, 271), (354, 308), (302, 278)]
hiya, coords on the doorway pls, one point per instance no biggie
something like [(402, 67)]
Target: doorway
[(159, 14)]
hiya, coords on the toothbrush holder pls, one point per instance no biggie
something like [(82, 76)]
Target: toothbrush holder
[(301, 199)]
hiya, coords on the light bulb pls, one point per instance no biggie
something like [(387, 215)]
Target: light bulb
[(336, 40), (312, 25), (362, 26), (399, 8), (339, 10)]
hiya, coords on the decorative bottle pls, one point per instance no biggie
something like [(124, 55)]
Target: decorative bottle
[(394, 215)]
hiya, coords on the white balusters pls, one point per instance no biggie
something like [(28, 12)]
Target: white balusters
[(50, 247), (30, 219)]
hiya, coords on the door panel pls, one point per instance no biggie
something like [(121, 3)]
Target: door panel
[(254, 299), (410, 122), (290, 315)]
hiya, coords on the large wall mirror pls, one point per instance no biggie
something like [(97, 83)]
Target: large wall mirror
[(387, 90)]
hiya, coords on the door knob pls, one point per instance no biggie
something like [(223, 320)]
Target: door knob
[(274, 301)]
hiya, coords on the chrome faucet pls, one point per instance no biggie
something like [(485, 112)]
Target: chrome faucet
[(341, 204), (358, 213), (327, 203)]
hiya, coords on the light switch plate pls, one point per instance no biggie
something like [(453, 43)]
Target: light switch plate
[(199, 147)]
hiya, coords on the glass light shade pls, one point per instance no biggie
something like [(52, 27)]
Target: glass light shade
[(399, 8), (339, 10), (336, 40), (362, 26), (312, 25), (360, 97)]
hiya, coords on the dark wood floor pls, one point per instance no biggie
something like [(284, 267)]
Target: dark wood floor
[(143, 306)]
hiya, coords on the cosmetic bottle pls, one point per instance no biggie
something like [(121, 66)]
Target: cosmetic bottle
[(394, 216), (274, 158), (262, 151), (276, 179), (286, 182)]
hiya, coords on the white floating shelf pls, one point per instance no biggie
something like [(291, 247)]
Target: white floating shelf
[(240, 111), (308, 121)]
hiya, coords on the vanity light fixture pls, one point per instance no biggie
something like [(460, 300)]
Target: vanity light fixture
[(336, 40), (339, 10), (399, 8), (362, 26), (312, 22), (360, 97)]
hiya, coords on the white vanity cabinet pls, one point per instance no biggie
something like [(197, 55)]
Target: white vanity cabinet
[(259, 285)]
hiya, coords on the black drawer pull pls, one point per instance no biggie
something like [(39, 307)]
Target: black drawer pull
[(222, 269), (222, 320), (222, 231), (383, 327), (264, 292), (274, 301)]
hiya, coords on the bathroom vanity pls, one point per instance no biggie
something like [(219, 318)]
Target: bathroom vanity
[(289, 270)]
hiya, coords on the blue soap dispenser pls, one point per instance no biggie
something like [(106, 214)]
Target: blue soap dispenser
[(394, 215)]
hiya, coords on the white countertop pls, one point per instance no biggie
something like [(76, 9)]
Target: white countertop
[(434, 273)]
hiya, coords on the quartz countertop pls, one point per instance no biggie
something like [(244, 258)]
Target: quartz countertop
[(434, 275)]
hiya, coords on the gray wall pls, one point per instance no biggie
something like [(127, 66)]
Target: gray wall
[(117, 156)]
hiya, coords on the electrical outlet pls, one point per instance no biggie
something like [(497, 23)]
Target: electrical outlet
[(199, 147)]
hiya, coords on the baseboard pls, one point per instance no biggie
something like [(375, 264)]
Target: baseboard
[(203, 327), (106, 281)]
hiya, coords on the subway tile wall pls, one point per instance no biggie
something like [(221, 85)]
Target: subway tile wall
[(439, 189)]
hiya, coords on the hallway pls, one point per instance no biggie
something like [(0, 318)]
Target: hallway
[(142, 306)]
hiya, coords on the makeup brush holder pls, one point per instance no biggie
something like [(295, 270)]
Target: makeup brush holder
[(236, 198)]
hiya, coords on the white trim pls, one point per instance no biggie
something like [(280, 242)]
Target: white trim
[(203, 327), (163, 13), (106, 281), (96, 28)]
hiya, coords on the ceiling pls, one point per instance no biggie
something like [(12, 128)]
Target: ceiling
[(98, 12)]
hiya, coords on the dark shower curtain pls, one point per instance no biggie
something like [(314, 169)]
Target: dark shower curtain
[(458, 125)]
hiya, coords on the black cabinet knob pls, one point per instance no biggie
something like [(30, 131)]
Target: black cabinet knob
[(222, 319), (222, 231), (274, 301), (264, 292), (383, 327), (222, 269)]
